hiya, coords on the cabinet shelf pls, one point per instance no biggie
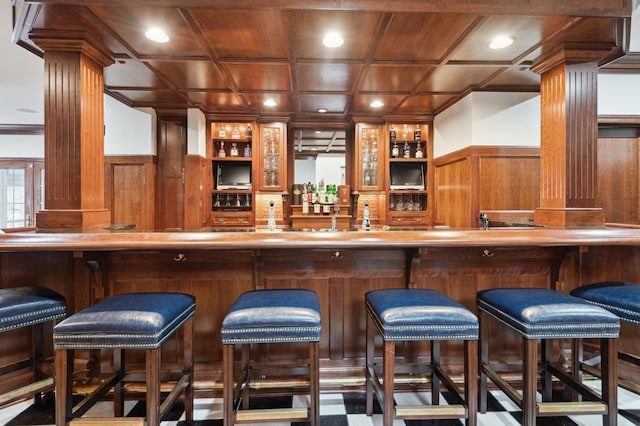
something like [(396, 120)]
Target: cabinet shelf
[(222, 159), (231, 140), (408, 160)]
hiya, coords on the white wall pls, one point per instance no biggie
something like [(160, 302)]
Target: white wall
[(128, 131), (196, 132), (330, 167), (304, 171), (488, 118), (619, 94)]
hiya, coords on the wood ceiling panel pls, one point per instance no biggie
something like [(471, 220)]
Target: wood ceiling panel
[(130, 73), (192, 74), (361, 103), (333, 103), (420, 36), (393, 78), (260, 33), (527, 30), (456, 78), (217, 101), (130, 24), (516, 76), (255, 101), (161, 98), (260, 76), (332, 77), (421, 104), (309, 28)]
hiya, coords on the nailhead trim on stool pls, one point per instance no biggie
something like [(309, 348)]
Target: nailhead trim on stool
[(401, 315), (270, 316), (127, 321), (540, 314), (622, 299), (23, 307)]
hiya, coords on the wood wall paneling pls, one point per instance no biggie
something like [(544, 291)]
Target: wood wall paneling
[(197, 192), (619, 179), (172, 146)]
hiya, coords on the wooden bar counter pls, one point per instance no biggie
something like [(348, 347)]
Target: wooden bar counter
[(340, 266)]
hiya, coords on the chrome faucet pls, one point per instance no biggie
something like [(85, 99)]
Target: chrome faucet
[(485, 221)]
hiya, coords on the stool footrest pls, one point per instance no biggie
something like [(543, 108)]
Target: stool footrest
[(250, 416), (569, 408), (429, 411), (29, 389), (120, 421), (505, 386), (175, 393)]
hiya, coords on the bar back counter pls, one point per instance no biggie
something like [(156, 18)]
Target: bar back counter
[(216, 267)]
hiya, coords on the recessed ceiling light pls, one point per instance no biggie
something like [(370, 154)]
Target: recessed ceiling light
[(270, 103), (376, 104), (157, 35), (322, 110), (333, 39), (501, 42)]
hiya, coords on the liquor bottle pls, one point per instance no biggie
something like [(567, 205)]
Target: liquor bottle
[(247, 150), (248, 132), (417, 134), (222, 153), (234, 150), (395, 151), (235, 133), (419, 153), (406, 150), (392, 134), (405, 132), (326, 207), (223, 132), (305, 201)]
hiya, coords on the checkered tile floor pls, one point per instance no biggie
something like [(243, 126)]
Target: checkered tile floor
[(338, 410)]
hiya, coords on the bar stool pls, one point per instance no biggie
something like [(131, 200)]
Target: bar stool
[(270, 316), (23, 307), (539, 314), (401, 315), (622, 299), (127, 321)]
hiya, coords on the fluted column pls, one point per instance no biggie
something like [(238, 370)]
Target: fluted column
[(74, 131), (569, 133)]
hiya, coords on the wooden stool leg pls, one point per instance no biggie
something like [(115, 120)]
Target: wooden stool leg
[(471, 381), (314, 377), (483, 359), (435, 380), (153, 387), (118, 388), (547, 356), (188, 368), (64, 385), (37, 338), (370, 364), (389, 358), (609, 366), (246, 369), (228, 391), (530, 373), (577, 356)]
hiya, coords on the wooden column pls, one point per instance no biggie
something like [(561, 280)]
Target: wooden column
[(569, 133), (74, 131)]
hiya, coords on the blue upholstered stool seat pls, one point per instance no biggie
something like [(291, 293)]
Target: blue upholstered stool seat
[(272, 316), (415, 314), (128, 321), (623, 299), (406, 314), (538, 313), (141, 321), (24, 306)]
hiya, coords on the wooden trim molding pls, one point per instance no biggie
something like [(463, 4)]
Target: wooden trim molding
[(619, 120), (21, 129)]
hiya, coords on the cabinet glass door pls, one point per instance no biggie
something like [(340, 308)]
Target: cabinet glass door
[(272, 174), (369, 155)]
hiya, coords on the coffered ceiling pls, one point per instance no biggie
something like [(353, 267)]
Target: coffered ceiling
[(225, 59)]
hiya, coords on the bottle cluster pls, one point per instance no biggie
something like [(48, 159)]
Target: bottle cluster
[(320, 199), (407, 136)]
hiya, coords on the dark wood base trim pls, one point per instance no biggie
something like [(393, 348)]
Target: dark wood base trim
[(569, 217)]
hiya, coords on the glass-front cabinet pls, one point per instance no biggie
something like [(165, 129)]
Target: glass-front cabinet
[(369, 155), (408, 172), (272, 173)]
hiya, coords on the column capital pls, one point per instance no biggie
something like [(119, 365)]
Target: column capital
[(572, 53), (73, 41)]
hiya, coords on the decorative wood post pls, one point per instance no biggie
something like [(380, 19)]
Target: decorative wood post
[(569, 133), (74, 131)]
